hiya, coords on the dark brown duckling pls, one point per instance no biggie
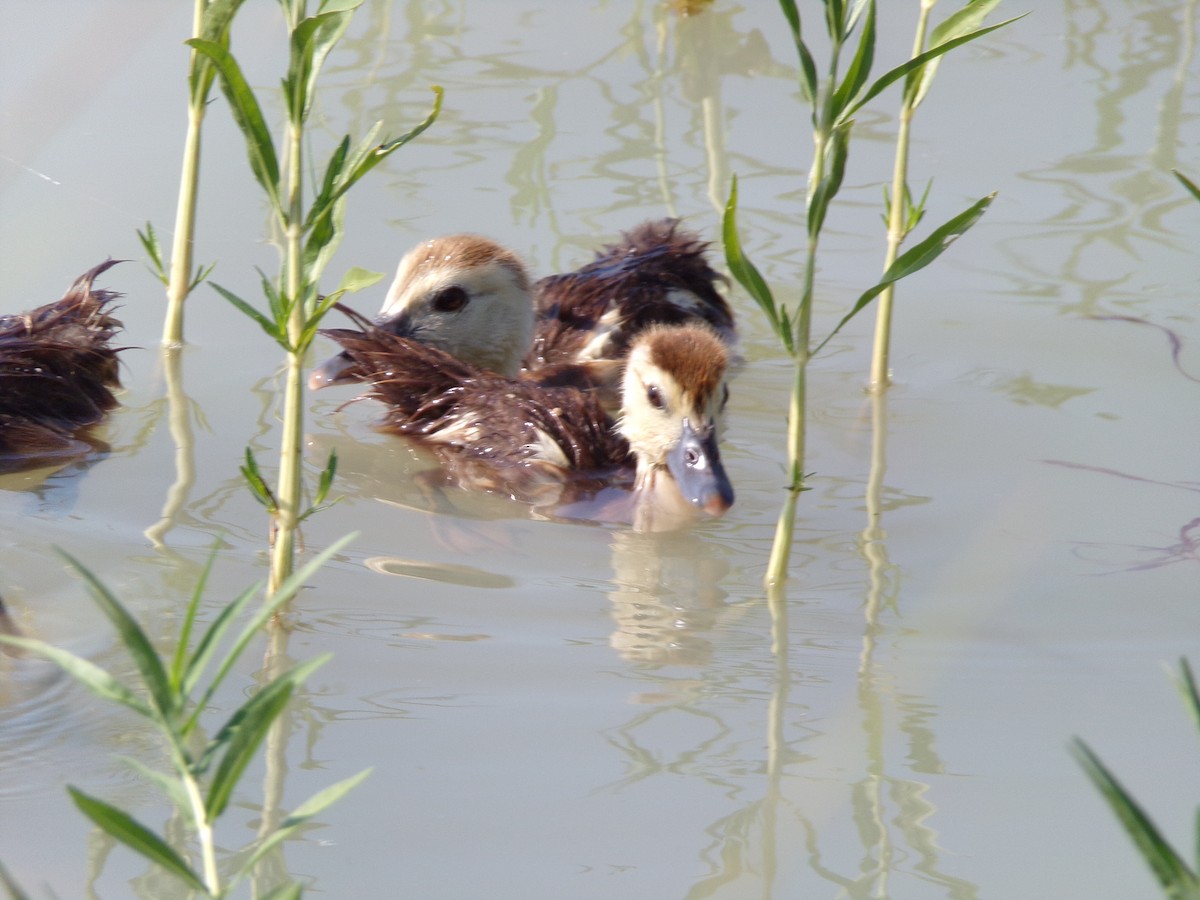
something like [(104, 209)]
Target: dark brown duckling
[(471, 297), (492, 432), (58, 373)]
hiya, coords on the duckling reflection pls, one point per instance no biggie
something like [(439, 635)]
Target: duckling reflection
[(668, 596), (58, 374), (471, 297), (551, 446)]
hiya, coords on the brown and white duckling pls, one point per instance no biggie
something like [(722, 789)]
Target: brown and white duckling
[(493, 432), (471, 297), (58, 373)]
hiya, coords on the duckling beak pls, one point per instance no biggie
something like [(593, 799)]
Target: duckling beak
[(330, 372), (333, 370), (695, 463)]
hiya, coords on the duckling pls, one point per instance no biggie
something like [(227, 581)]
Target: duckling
[(494, 432), (471, 297), (58, 373)]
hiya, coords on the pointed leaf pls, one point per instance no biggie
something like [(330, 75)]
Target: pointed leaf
[(957, 24), (837, 150), (153, 250), (916, 258), (1170, 869), (207, 646), (860, 68), (282, 595), (246, 112), (1187, 183), (888, 78), (263, 322), (124, 828), (1190, 692), (312, 40), (741, 267), (170, 785), (87, 673), (145, 657), (243, 742), (189, 619), (357, 279), (302, 814)]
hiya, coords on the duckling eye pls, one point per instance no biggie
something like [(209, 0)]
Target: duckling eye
[(450, 299), (655, 397)]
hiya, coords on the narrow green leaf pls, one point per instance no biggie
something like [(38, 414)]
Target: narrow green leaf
[(1189, 691), (916, 258), (179, 663), (741, 267), (10, 885), (302, 814), (87, 673), (212, 637), (837, 150), (145, 657), (243, 740), (965, 20), (149, 239), (311, 42), (888, 78), (257, 484), (249, 118), (808, 66), (170, 785), (202, 273), (124, 828), (357, 279), (291, 891), (263, 322), (214, 26), (1187, 183), (282, 595), (860, 67), (380, 153), (1168, 867), (326, 480)]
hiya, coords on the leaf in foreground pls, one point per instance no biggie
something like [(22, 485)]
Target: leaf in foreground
[(124, 828)]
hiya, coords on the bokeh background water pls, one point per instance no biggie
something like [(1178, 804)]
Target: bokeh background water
[(558, 710)]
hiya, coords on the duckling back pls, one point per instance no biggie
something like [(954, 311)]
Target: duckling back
[(58, 372)]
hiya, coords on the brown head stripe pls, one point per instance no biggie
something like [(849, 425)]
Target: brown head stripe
[(467, 251), (692, 354)]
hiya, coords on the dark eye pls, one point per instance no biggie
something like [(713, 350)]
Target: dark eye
[(450, 299), (654, 395)]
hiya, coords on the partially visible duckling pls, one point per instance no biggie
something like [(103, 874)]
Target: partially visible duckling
[(497, 433), (57, 373), (471, 297)]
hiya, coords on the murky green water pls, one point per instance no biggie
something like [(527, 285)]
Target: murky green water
[(566, 711)]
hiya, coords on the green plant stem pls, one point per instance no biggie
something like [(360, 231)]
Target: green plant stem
[(898, 223), (290, 485), (180, 280)]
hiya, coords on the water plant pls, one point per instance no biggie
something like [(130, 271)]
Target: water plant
[(173, 693), (211, 21), (834, 101), (310, 235), (1176, 877)]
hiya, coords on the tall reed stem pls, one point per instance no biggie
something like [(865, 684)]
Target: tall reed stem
[(898, 220), (179, 283), (290, 452)]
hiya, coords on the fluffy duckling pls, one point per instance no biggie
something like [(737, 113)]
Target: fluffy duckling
[(471, 297), (57, 372), (493, 432)]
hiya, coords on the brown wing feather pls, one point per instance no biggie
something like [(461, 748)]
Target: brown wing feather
[(453, 405), (635, 278), (58, 370)]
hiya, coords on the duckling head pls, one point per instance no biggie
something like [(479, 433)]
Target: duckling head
[(673, 392), (462, 293)]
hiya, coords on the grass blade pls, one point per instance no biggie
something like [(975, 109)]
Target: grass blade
[(744, 270), (302, 814), (271, 328), (124, 828), (246, 112), (1187, 183), (860, 68), (144, 656), (87, 673), (242, 736), (189, 619), (888, 78), (916, 258), (208, 643), (1170, 870)]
